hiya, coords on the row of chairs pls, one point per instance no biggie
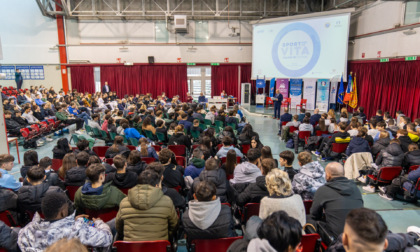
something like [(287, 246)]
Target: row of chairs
[(43, 128)]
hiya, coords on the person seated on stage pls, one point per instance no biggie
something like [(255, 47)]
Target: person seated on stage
[(227, 145), (301, 115), (196, 126), (206, 217), (315, 117), (62, 116), (184, 121), (202, 98), (311, 176), (121, 178), (96, 195), (286, 160), (223, 94), (412, 133)]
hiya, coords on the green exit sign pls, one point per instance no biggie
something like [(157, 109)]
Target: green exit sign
[(384, 60), (411, 58), (190, 64), (215, 64)]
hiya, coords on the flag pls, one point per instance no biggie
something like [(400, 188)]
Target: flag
[(347, 95), (340, 92), (353, 101)]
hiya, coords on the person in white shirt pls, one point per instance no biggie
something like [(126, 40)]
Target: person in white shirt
[(94, 123), (353, 129), (373, 131), (306, 126), (333, 127), (29, 116)]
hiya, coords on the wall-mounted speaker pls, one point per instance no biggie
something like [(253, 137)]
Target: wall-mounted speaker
[(151, 59)]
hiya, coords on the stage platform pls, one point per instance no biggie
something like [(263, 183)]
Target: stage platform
[(267, 111)]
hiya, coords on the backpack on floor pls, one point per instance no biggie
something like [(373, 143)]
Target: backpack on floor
[(290, 144)]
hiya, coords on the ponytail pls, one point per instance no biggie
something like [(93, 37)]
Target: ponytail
[(143, 147)]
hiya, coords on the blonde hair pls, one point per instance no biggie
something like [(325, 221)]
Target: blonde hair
[(71, 245), (384, 134), (304, 157), (278, 183)]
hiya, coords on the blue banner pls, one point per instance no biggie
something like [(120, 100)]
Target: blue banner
[(260, 83), (323, 94), (37, 72), (295, 91), (272, 86), (26, 74), (9, 71)]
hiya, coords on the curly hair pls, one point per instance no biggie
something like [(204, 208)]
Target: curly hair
[(278, 183)]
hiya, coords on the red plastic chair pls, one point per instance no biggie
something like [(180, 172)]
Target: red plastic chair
[(309, 242), (105, 214), (131, 147), (339, 147), (301, 105), (135, 246), (320, 133), (413, 168), (245, 148), (124, 190), (56, 164), (219, 146), (148, 160), (8, 219), (180, 160), (308, 205), (284, 123), (250, 209), (268, 101), (213, 245), (286, 102), (109, 161), (100, 150), (223, 160), (71, 191), (157, 148), (179, 150), (303, 136), (195, 146), (292, 129), (177, 188), (386, 175)]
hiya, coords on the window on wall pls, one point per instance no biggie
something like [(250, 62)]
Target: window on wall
[(199, 81), (412, 12), (97, 78), (161, 33), (201, 31)]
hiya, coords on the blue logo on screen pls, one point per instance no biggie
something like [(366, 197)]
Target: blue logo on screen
[(298, 49)]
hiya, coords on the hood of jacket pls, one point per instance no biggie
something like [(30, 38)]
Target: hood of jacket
[(342, 185), (144, 197), (260, 182), (76, 174), (124, 180), (358, 140), (197, 162), (394, 149), (249, 168), (87, 189), (217, 176), (258, 244), (383, 141), (204, 213), (30, 194), (95, 201), (405, 139), (313, 169)]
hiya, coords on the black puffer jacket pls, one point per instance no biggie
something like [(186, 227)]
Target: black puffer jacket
[(253, 193), (51, 178), (176, 197), (379, 145), (30, 197), (390, 156), (172, 177), (122, 180), (76, 176), (8, 238), (246, 139), (122, 149), (222, 227), (179, 139), (218, 177), (412, 158), (137, 168), (229, 134), (61, 149), (8, 200), (405, 141)]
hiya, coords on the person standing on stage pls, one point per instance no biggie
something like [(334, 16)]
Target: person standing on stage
[(18, 79), (105, 88), (278, 99)]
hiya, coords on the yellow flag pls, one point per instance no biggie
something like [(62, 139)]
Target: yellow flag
[(353, 101)]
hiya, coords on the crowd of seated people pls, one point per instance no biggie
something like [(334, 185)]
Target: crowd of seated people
[(162, 200)]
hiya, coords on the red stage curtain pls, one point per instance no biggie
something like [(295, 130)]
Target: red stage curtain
[(82, 79), (142, 79), (388, 86), (224, 77)]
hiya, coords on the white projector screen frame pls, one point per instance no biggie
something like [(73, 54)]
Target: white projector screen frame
[(266, 60)]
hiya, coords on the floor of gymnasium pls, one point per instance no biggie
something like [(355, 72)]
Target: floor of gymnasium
[(397, 214)]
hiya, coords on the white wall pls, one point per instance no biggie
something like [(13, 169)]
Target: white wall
[(86, 41), (382, 16)]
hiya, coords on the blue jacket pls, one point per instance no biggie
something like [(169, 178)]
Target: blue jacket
[(187, 125), (240, 114), (357, 144), (412, 176), (279, 99), (151, 152), (39, 102), (192, 169), (301, 116), (132, 133), (314, 119), (121, 106), (8, 181), (73, 111), (201, 99), (286, 117)]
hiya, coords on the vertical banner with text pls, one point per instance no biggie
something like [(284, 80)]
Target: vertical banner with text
[(309, 91), (323, 94), (283, 86), (272, 85), (295, 92), (333, 93)]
